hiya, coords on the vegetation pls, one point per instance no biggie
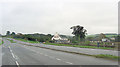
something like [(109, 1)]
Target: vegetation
[(75, 42), (79, 32), (107, 56), (80, 46), (35, 37), (2, 42), (117, 38), (27, 41), (107, 35), (8, 33), (11, 41), (97, 56), (99, 37), (13, 33)]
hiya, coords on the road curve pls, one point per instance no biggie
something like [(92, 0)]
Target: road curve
[(18, 54)]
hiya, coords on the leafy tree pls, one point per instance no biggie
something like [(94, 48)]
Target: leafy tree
[(8, 33), (90, 38), (101, 36), (117, 38), (13, 33), (79, 32), (35, 37)]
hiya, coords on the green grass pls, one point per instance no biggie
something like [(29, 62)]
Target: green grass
[(11, 41), (27, 41), (80, 46), (1, 42), (107, 56), (97, 56), (110, 35), (97, 35), (90, 35)]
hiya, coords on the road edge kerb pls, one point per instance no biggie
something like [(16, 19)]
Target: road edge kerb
[(70, 52)]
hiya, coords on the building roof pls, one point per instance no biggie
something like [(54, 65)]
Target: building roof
[(56, 37)]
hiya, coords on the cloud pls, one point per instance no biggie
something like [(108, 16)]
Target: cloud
[(50, 16)]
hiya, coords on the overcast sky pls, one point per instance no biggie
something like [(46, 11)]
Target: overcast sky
[(51, 16)]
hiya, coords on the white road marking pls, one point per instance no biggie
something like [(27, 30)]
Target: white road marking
[(13, 55), (69, 47), (92, 49), (58, 59), (69, 62), (10, 50), (17, 63)]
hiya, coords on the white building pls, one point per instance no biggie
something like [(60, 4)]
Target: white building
[(56, 38)]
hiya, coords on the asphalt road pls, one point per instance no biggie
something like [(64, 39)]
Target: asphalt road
[(18, 54), (75, 49)]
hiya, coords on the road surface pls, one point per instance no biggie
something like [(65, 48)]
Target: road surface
[(18, 54), (74, 49)]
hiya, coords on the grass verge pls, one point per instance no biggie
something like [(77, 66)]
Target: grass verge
[(11, 41), (2, 42), (80, 46), (107, 56), (27, 41)]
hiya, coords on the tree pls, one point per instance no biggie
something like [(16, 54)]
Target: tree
[(13, 33), (8, 33), (79, 32), (117, 38), (102, 36), (90, 38)]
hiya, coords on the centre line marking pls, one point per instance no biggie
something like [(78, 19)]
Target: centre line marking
[(58, 59), (11, 51), (69, 62), (13, 55), (17, 63)]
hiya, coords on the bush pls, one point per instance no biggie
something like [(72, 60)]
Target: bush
[(87, 42), (34, 37), (75, 42)]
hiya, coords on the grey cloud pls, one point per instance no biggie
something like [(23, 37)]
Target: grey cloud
[(58, 16)]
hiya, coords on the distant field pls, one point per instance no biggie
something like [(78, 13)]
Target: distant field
[(91, 36), (80, 46), (110, 35), (97, 35)]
